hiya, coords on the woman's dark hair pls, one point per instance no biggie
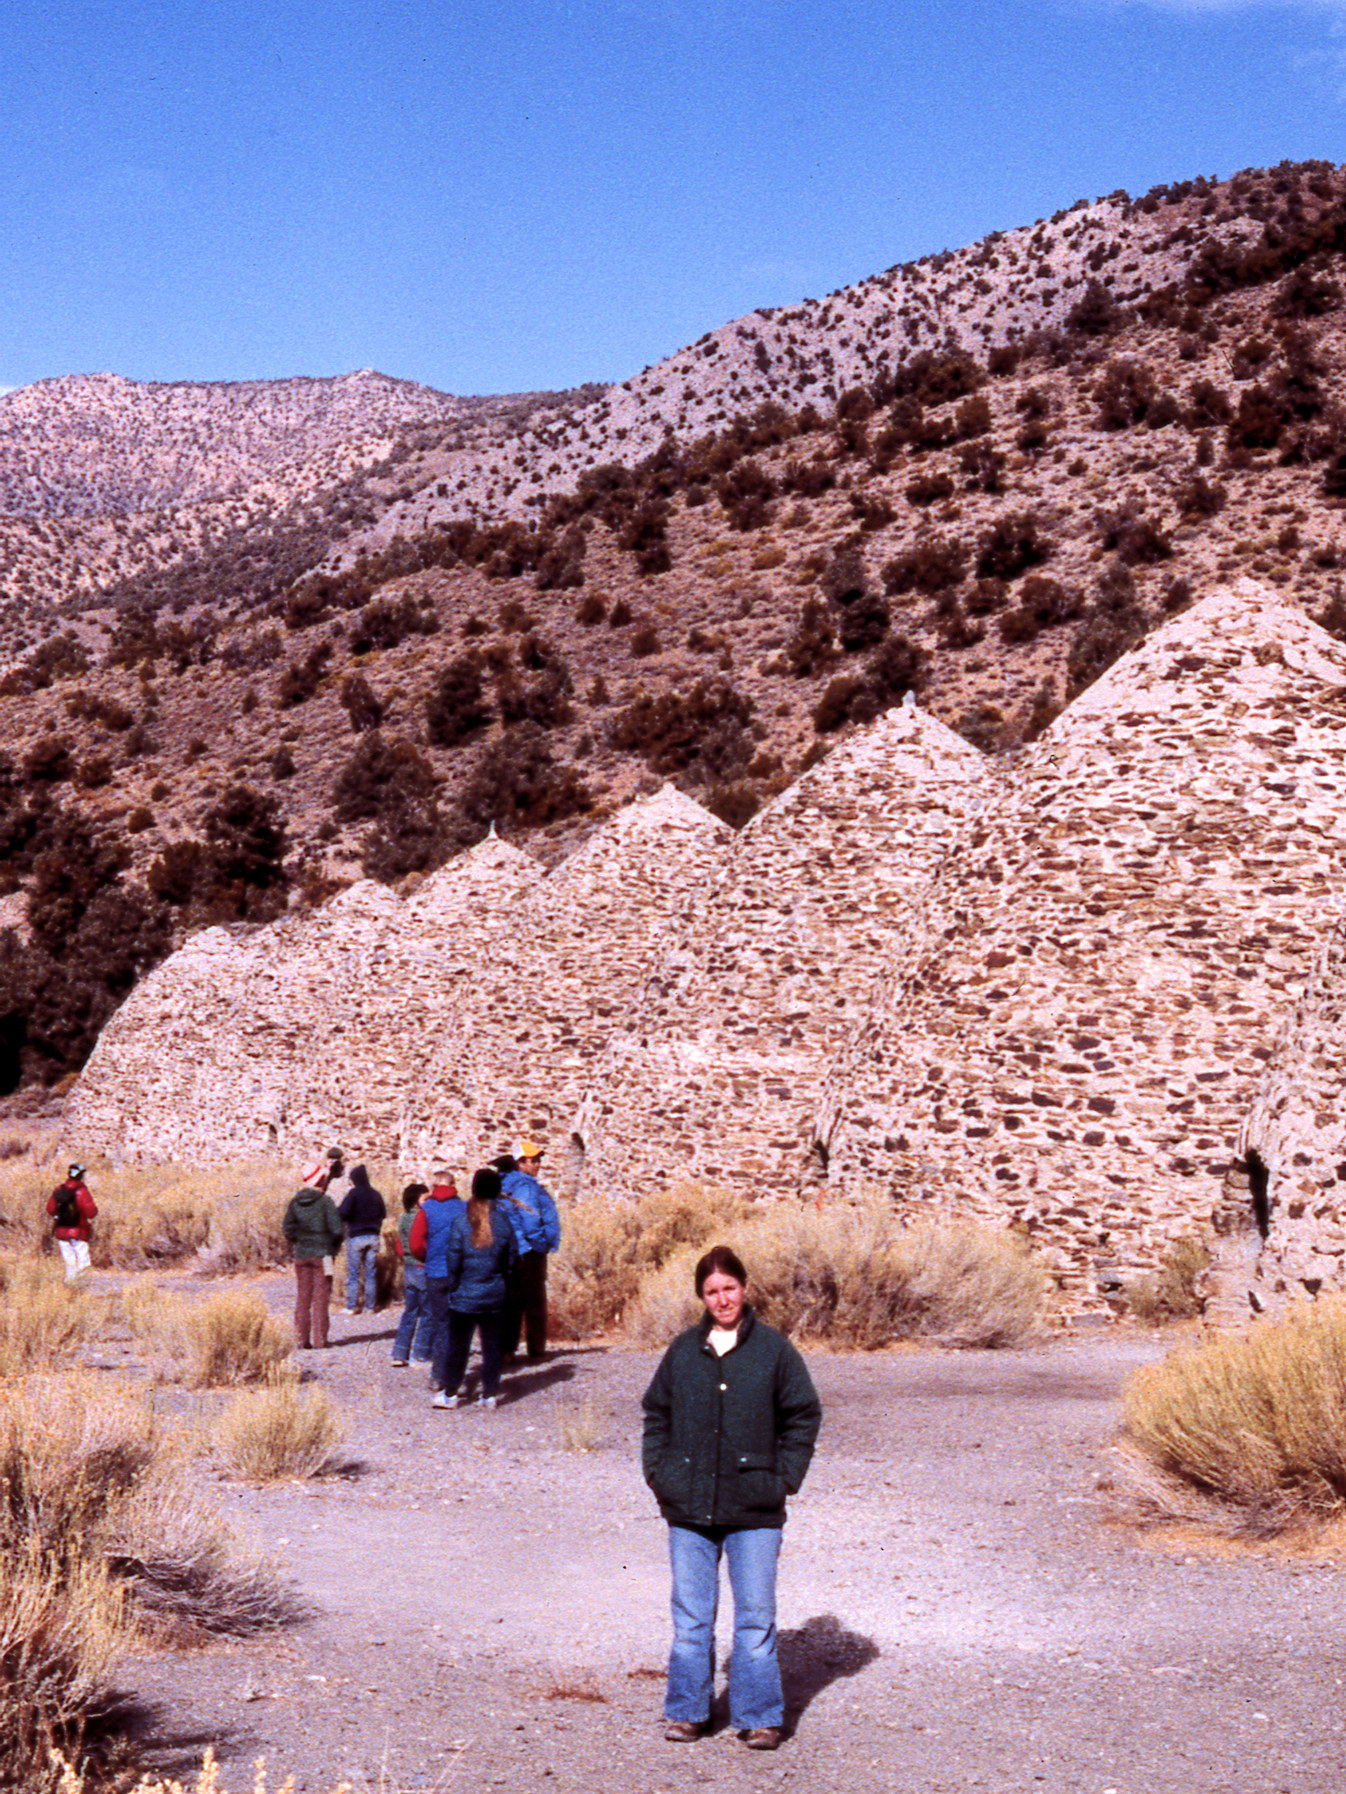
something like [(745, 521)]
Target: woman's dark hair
[(723, 1259), (485, 1191), (412, 1195), (506, 1163)]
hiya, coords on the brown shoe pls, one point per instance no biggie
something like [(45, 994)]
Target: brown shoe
[(683, 1731), (762, 1737)]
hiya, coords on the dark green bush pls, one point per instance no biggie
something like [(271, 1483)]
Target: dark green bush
[(457, 706), (706, 728)]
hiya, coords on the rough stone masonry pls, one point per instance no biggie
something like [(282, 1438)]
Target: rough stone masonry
[(1047, 992)]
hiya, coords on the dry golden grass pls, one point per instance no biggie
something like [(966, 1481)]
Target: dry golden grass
[(850, 1276), (59, 1640), (229, 1338), (1256, 1420), (1172, 1293), (101, 1540), (281, 1431), (43, 1320), (227, 1219), (580, 1429), (608, 1248)]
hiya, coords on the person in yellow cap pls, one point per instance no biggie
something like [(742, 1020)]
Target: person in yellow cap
[(537, 1229)]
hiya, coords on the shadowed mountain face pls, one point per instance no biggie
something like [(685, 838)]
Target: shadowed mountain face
[(263, 638)]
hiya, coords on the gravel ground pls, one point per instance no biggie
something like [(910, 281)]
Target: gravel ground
[(959, 1608)]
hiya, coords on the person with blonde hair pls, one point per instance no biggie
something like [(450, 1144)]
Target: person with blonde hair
[(479, 1254)]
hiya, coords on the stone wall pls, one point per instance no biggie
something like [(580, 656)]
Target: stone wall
[(1045, 992), (1073, 1031), (301, 1034), (1285, 1216), (714, 1070), (517, 1052)]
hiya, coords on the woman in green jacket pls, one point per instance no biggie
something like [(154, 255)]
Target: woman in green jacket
[(730, 1421)]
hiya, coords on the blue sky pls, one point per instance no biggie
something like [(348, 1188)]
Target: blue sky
[(500, 197)]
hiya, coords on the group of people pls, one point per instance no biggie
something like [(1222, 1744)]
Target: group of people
[(474, 1267), (730, 1416)]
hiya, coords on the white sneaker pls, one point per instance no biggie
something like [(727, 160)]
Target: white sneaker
[(422, 1363), (446, 1401), (399, 1363), (488, 1401)]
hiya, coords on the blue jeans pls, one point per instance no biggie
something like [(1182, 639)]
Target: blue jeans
[(362, 1250), (755, 1697), (414, 1330)]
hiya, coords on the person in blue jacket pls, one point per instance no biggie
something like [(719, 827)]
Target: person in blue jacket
[(479, 1252), (537, 1228)]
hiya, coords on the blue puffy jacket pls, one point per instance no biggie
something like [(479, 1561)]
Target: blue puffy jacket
[(532, 1213), (439, 1215), (477, 1274)]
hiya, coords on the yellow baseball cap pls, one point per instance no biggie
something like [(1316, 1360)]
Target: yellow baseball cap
[(528, 1149)]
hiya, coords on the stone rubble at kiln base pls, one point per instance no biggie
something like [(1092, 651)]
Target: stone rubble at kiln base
[(1045, 993)]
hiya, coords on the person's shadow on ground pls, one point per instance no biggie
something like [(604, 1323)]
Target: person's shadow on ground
[(815, 1655), (519, 1383)]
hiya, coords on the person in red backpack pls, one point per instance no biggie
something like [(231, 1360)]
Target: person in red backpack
[(72, 1209)]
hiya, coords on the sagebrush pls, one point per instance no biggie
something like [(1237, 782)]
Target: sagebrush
[(1256, 1421)]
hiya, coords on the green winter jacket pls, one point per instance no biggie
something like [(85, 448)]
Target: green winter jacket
[(726, 1439), (312, 1224)]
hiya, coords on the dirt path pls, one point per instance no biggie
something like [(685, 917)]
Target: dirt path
[(957, 1610)]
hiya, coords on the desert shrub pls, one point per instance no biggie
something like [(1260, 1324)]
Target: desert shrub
[(896, 667), (1172, 1293), (1014, 543), (808, 479), (1207, 405), (246, 833), (745, 492), (92, 934), (61, 656), (228, 1338), (931, 565), (983, 467), (517, 782), (706, 727), (1124, 395), (388, 622), (590, 610), (1044, 602), (560, 567), (644, 640), (1135, 540), (457, 705), (872, 510), (930, 488), (814, 643), (100, 1541), (1113, 624), (379, 770), (60, 1639), (42, 1318), (280, 1431), (853, 1277), (301, 679), (361, 703), (49, 761), (1255, 1420), (645, 535), (1197, 497), (934, 377), (608, 1246), (1095, 313)]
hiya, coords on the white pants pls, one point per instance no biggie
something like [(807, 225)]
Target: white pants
[(76, 1256)]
